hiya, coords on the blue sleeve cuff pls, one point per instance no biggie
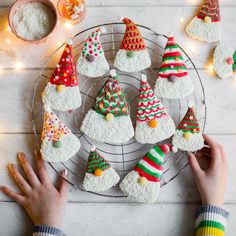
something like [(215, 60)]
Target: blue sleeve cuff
[(211, 209), (44, 230)]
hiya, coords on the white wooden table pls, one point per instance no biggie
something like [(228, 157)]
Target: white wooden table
[(87, 214)]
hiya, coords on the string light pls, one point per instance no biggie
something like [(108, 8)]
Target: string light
[(19, 66), (8, 40), (181, 20), (211, 68), (68, 25)]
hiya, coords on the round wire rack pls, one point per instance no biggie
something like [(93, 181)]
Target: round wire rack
[(122, 157)]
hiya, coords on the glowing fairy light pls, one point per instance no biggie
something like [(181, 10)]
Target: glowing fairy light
[(18, 66), (68, 25), (8, 40), (181, 20), (210, 68)]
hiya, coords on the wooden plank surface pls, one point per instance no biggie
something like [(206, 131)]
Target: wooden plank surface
[(83, 218), (179, 199)]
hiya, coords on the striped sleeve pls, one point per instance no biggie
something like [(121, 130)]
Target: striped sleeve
[(210, 221), (44, 230)]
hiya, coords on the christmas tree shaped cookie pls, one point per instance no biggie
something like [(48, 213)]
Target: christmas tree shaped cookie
[(109, 120), (188, 136), (142, 184), (153, 124), (205, 26), (224, 61), (58, 143), (92, 61), (132, 55), (173, 80), (62, 91), (99, 176)]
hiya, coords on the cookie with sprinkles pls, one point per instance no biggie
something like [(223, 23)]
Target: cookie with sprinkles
[(153, 124), (133, 55), (188, 135), (206, 25), (109, 119), (99, 176), (58, 142), (173, 80), (62, 91), (142, 184), (92, 61)]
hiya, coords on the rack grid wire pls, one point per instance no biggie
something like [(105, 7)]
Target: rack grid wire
[(122, 157)]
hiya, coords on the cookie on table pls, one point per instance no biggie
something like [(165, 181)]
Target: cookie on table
[(206, 25), (224, 61)]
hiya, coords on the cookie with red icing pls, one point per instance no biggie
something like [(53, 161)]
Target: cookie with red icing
[(132, 55), (206, 25), (62, 91), (153, 123)]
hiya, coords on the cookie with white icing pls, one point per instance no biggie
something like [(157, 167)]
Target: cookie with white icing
[(153, 124), (58, 142), (132, 55), (99, 176), (109, 119), (142, 184), (224, 61), (206, 25), (173, 80), (188, 135), (62, 90), (92, 61)]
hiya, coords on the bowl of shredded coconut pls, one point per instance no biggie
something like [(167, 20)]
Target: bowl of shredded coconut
[(33, 20)]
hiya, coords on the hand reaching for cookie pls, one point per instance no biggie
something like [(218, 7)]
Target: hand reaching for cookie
[(41, 200), (211, 182)]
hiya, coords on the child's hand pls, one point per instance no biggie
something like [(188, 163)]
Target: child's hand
[(211, 182), (42, 201)]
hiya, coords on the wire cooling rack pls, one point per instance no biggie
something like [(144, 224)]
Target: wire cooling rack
[(122, 157)]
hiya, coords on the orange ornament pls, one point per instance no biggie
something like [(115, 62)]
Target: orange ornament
[(98, 172), (153, 123)]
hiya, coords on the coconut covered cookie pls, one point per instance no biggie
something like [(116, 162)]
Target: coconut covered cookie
[(62, 91), (153, 123), (224, 61), (99, 176), (173, 80), (132, 55), (142, 184), (188, 136), (109, 120), (206, 26), (92, 61), (58, 142)]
